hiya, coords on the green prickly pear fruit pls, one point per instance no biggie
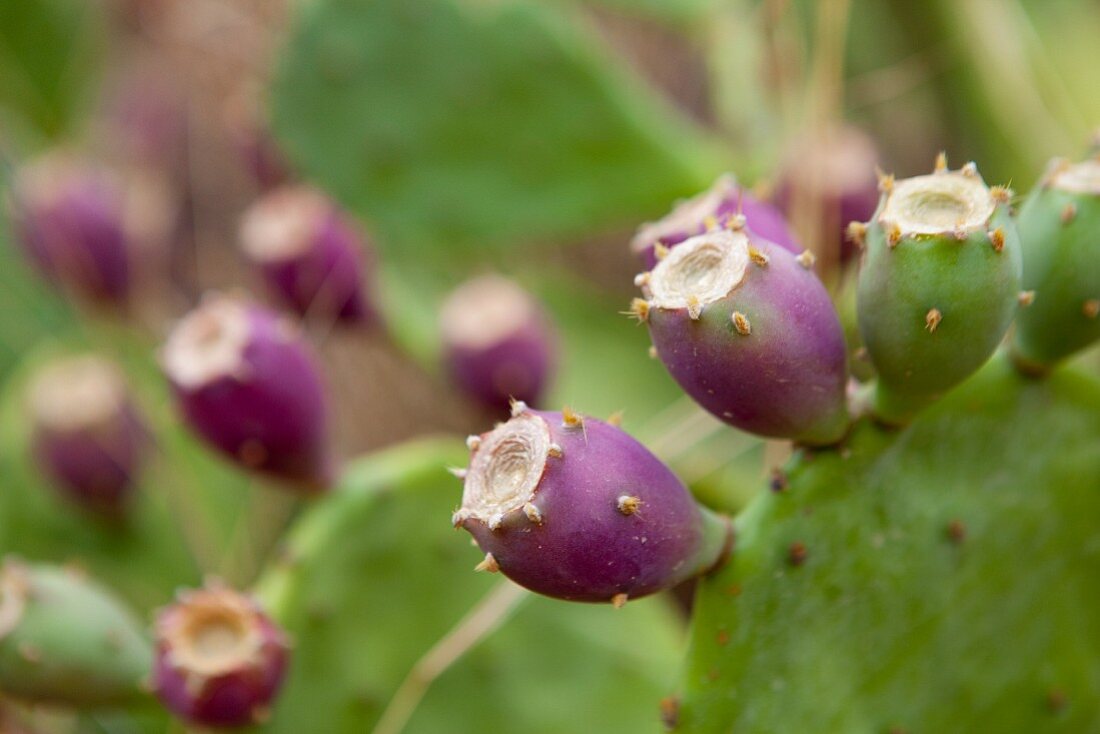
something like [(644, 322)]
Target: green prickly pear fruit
[(1059, 226), (65, 640), (938, 285)]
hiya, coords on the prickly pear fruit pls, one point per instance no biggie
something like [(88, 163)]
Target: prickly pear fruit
[(70, 219), (248, 383), (938, 285), (715, 208), (498, 342), (750, 333), (574, 508), (309, 254), (66, 641), (830, 182), (1059, 226), (87, 434), (220, 659)]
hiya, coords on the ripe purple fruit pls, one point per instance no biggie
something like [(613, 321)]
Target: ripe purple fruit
[(220, 659), (717, 207), (499, 344), (575, 508), (309, 254), (750, 333), (87, 434), (247, 383)]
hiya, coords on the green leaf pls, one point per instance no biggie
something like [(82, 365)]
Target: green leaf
[(374, 576), (452, 126), (949, 579)]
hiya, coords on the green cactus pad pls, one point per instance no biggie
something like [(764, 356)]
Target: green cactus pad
[(938, 579), (67, 641), (1059, 227), (374, 576), (938, 287)]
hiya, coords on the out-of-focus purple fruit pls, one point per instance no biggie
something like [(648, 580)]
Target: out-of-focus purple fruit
[(499, 343), (220, 660), (247, 382), (87, 435), (309, 253), (715, 208), (87, 229), (575, 508), (833, 181)]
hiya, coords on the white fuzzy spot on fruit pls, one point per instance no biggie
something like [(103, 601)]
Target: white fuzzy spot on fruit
[(939, 204), (506, 470), (283, 224), (484, 311), (208, 344), (76, 393), (1080, 178), (700, 271), (688, 215)]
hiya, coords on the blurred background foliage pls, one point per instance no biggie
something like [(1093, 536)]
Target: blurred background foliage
[(524, 136)]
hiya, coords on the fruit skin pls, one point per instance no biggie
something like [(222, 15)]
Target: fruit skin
[(69, 218), (516, 363), (237, 688), (585, 545), (787, 377), (1060, 237), (933, 307), (66, 641), (710, 209), (324, 276), (266, 407)]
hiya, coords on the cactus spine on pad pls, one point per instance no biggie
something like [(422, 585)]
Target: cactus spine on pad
[(750, 333), (574, 508), (1059, 227), (66, 641), (938, 285)]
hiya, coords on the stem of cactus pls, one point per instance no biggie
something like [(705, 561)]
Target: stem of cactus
[(574, 508), (938, 285)]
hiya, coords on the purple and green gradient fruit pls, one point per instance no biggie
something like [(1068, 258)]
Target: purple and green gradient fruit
[(574, 508), (499, 344), (247, 382), (1059, 226), (748, 330), (938, 285), (87, 434), (718, 207), (310, 255), (220, 660)]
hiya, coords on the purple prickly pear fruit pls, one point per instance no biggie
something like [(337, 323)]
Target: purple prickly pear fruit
[(832, 180), (309, 254), (499, 343), (750, 333), (717, 207), (574, 508), (248, 383), (87, 435), (70, 220), (220, 659)]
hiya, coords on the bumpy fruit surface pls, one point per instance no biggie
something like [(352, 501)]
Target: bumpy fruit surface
[(220, 660), (498, 342), (748, 331), (574, 508), (719, 206), (247, 382), (87, 433), (1059, 227), (938, 285), (309, 253)]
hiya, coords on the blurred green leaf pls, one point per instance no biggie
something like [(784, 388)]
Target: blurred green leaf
[(452, 126)]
